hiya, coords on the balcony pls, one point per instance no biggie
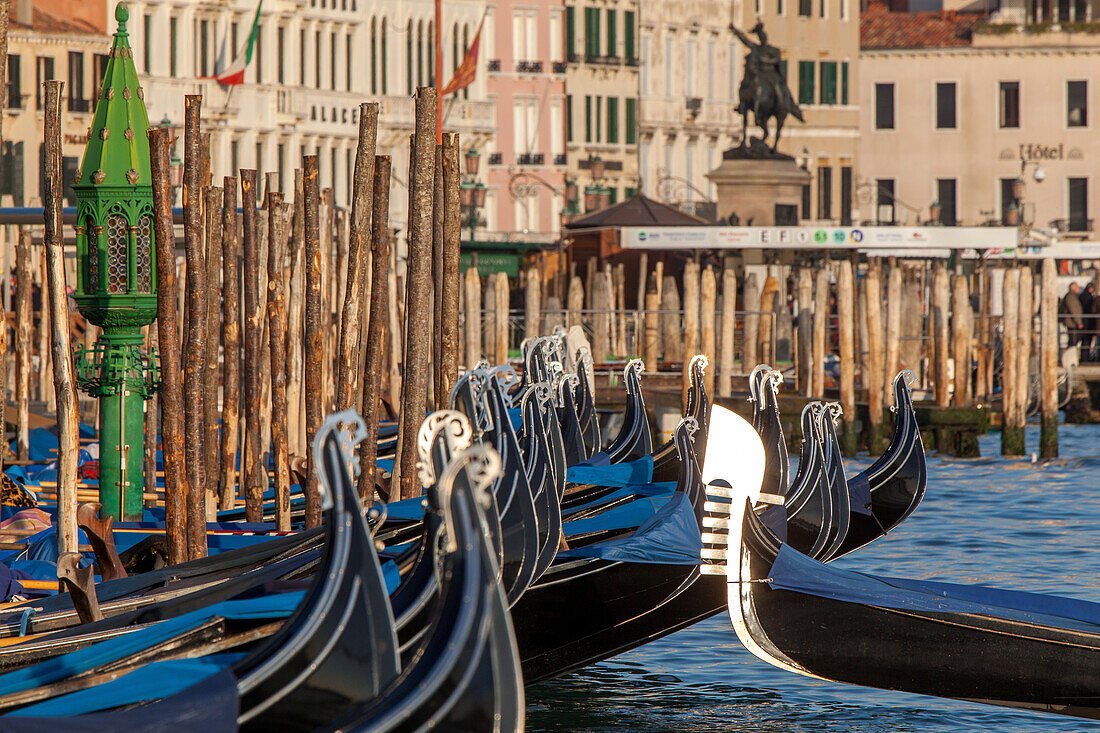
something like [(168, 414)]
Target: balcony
[(1073, 225), (530, 159), (496, 158), (14, 99), (693, 105), (494, 64), (528, 67), (559, 67), (561, 159), (593, 58), (631, 61), (77, 104)]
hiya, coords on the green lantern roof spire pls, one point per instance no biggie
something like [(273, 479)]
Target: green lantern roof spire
[(117, 152)]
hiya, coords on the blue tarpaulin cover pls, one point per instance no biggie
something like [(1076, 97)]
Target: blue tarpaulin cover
[(626, 516), (669, 537), (639, 471), (794, 571)]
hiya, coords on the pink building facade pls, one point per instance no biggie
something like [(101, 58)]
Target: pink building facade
[(524, 53)]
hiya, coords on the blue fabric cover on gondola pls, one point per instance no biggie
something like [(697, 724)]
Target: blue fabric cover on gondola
[(276, 605), (639, 471), (662, 489), (859, 489), (212, 706), (794, 571), (669, 537), (515, 416), (152, 681), (627, 516)]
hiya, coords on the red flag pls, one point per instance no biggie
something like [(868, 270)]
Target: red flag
[(467, 70)]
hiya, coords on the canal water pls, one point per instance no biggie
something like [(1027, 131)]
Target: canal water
[(1006, 523)]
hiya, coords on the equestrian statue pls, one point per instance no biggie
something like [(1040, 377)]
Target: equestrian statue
[(763, 89)]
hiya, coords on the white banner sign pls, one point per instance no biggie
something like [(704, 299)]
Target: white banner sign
[(896, 238)]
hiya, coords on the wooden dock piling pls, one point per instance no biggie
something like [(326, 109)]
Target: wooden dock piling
[(231, 343), (820, 315), (171, 380), (750, 356), (452, 254), (313, 341), (708, 297), (724, 367), (376, 324), (23, 346), (873, 376), (251, 461), (845, 316), (194, 351), (1012, 432), (1048, 361), (211, 376)]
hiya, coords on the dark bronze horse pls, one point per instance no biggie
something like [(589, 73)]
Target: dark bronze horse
[(763, 90)]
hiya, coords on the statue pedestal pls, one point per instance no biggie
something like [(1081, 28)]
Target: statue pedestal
[(760, 189)]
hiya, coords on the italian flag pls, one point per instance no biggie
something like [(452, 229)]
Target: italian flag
[(233, 75)]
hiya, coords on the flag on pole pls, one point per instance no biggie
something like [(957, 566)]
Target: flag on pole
[(233, 75), (467, 70)]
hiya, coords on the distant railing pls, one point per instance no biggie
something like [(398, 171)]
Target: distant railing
[(561, 159), (530, 159), (529, 67), (494, 64), (559, 67), (496, 158)]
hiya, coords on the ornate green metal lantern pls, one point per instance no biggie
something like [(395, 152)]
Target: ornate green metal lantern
[(116, 279)]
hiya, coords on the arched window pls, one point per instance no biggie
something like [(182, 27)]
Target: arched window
[(144, 254), (420, 53), (373, 58), (383, 55), (117, 281)]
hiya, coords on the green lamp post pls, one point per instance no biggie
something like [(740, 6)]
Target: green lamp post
[(116, 280)]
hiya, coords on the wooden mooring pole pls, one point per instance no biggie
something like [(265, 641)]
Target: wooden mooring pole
[(1048, 361), (231, 343), (845, 312), (376, 324), (1012, 433)]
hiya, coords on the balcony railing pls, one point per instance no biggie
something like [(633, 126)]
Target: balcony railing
[(561, 159), (14, 99), (530, 159), (528, 67), (631, 61), (560, 67), (494, 64), (77, 104), (593, 58), (496, 158)]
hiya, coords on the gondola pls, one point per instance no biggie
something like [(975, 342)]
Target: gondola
[(973, 643), (337, 655)]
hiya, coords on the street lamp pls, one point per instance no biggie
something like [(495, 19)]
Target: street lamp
[(596, 167), (473, 158), (472, 193)]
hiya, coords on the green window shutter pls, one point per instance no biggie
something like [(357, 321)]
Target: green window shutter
[(632, 120), (569, 118), (587, 118), (612, 119), (628, 35), (611, 29), (613, 197), (805, 82), (598, 123), (844, 82), (783, 67), (592, 31), (828, 82), (570, 33), (629, 192)]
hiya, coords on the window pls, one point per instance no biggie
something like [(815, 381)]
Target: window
[(301, 55), (612, 119), (587, 118), (569, 117), (846, 196), (173, 51), (807, 212), (44, 71), (77, 102), (410, 76), (1007, 199), (711, 51), (281, 165), (258, 54), (1077, 104), (669, 40), (945, 105), (780, 7), (333, 45), (347, 63), (821, 8), (628, 35), (383, 56), (805, 8), (14, 96), (556, 127), (280, 62), (1079, 205), (885, 188), (146, 42), (844, 82), (884, 106), (947, 198), (204, 46), (1009, 101), (317, 60), (99, 72), (591, 32), (598, 123), (612, 30), (824, 192), (689, 68), (570, 34), (805, 82), (555, 38), (828, 82), (631, 120)]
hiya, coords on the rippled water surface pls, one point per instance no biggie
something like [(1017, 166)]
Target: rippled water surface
[(1011, 524)]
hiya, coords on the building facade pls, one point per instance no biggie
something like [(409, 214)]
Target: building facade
[(690, 68), (525, 81), (49, 39), (970, 122), (601, 50), (314, 62)]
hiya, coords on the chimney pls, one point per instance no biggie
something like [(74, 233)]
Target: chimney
[(24, 12)]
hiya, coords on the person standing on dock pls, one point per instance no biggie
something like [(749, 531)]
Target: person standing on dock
[(1071, 306)]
